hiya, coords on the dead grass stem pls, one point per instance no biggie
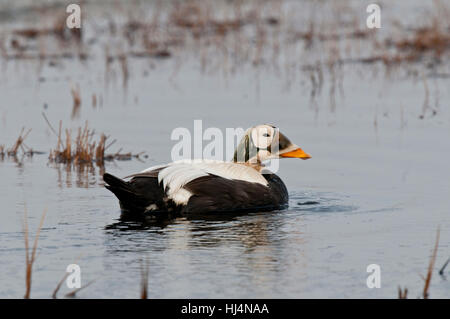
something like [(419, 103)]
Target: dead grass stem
[(73, 293), (402, 293), (19, 144), (427, 279), (58, 286), (76, 96), (144, 279), (30, 257)]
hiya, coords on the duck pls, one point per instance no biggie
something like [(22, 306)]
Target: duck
[(210, 186)]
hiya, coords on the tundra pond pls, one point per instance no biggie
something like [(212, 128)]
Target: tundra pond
[(370, 106)]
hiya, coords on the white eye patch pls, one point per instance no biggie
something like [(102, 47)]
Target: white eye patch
[(262, 136)]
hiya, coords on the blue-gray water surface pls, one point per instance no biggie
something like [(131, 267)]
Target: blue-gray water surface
[(375, 191)]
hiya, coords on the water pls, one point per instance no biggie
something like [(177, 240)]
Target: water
[(375, 191)]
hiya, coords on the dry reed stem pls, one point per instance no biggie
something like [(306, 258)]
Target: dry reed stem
[(76, 96), (430, 267), (74, 292), (30, 258), (144, 279), (402, 293), (124, 66), (58, 286), (19, 143)]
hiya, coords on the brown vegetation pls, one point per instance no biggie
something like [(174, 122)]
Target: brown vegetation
[(434, 39), (58, 30), (84, 149), (227, 35)]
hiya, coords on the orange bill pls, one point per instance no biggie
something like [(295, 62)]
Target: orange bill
[(298, 153)]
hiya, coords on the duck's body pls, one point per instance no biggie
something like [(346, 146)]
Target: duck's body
[(199, 187), (205, 186)]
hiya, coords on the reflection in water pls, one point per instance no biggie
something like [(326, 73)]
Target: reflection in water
[(82, 175), (254, 243), (18, 160), (250, 230)]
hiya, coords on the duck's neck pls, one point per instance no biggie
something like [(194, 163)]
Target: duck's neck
[(255, 164)]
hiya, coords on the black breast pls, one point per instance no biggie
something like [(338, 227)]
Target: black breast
[(277, 189)]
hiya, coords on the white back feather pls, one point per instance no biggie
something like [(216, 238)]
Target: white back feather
[(177, 174)]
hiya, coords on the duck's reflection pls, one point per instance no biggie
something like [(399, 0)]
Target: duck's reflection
[(248, 233), (255, 247), (205, 229)]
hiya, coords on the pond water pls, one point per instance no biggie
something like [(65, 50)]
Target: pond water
[(375, 191)]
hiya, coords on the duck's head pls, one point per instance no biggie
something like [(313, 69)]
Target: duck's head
[(264, 142)]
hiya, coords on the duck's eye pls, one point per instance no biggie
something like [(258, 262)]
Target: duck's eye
[(266, 135)]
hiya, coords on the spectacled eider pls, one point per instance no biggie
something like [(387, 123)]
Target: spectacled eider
[(206, 186)]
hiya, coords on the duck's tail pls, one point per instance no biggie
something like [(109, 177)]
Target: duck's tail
[(137, 195), (119, 187), (130, 200)]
